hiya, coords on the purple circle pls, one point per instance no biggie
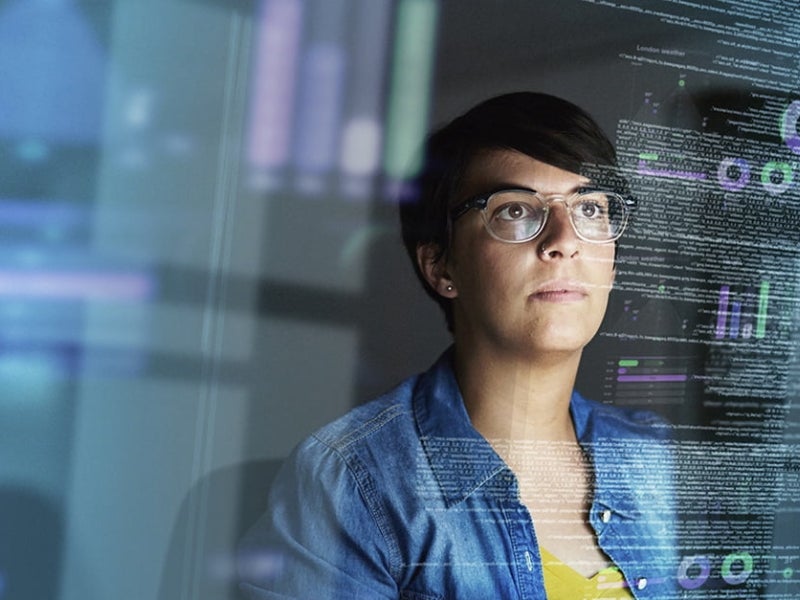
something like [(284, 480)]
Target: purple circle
[(692, 583), (789, 127), (733, 185)]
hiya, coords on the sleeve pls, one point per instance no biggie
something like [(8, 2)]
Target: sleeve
[(318, 538)]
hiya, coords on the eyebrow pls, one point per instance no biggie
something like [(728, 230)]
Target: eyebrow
[(507, 186), (587, 185)]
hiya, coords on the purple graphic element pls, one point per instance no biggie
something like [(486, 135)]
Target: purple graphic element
[(622, 371), (319, 107), (722, 311), (733, 185), (650, 378), (55, 285), (272, 104), (736, 313), (692, 583), (789, 127)]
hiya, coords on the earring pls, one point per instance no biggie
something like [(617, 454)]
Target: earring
[(449, 288)]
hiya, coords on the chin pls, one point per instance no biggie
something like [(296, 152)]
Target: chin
[(566, 342)]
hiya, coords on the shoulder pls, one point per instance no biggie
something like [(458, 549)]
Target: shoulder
[(327, 515), (359, 447), (370, 423)]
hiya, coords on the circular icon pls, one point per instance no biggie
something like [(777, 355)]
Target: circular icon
[(776, 177), (744, 563), (789, 127), (733, 173), (693, 571)]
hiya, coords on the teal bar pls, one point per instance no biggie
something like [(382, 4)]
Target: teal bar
[(409, 95), (761, 318), (629, 363), (648, 156)]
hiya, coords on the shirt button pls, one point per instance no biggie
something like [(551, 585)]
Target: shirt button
[(606, 516), (641, 583)]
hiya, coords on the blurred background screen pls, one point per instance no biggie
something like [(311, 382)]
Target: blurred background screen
[(201, 261)]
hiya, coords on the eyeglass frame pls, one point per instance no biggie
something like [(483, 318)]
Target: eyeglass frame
[(481, 202)]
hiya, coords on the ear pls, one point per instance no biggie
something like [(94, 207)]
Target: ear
[(433, 266)]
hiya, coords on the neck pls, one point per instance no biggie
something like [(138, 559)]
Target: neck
[(517, 398)]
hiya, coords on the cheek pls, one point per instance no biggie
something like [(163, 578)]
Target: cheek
[(488, 280), (477, 274), (473, 261), (501, 267)]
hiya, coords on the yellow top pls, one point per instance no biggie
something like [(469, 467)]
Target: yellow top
[(562, 582)]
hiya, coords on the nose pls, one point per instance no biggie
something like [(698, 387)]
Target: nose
[(558, 239)]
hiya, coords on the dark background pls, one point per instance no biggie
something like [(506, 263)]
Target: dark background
[(201, 263)]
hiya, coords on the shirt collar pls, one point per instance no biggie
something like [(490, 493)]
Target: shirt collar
[(609, 437), (460, 457), (463, 461)]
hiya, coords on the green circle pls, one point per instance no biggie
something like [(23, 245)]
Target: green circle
[(788, 572), (682, 83), (786, 172), (661, 289), (747, 567)]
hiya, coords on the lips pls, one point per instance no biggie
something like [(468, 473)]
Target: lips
[(560, 290)]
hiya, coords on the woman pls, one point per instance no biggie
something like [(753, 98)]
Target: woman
[(488, 476)]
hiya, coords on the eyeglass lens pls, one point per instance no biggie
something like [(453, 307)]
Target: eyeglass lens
[(518, 215)]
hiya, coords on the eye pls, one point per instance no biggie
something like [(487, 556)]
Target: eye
[(514, 211), (589, 209), (592, 208)]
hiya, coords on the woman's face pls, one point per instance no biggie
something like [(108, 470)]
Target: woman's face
[(547, 295)]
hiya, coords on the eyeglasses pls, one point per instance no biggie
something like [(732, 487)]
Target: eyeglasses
[(519, 215)]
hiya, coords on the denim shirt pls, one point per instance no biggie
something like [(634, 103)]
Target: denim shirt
[(403, 498)]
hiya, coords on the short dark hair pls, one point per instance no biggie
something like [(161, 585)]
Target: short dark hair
[(541, 126)]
